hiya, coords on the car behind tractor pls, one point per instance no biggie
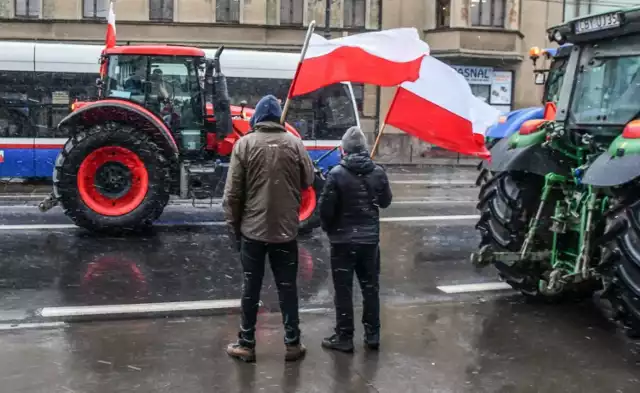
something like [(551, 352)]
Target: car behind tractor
[(162, 126), (560, 213)]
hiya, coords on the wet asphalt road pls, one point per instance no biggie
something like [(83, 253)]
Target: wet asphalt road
[(432, 341)]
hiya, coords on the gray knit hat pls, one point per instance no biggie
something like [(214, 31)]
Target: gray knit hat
[(354, 141)]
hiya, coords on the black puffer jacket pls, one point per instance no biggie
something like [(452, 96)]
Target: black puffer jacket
[(350, 202)]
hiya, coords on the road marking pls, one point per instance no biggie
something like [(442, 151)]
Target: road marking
[(435, 182), (432, 202), (140, 308), (431, 218), (478, 287), (40, 325), (27, 227)]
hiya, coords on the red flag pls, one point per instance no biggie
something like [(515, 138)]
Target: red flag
[(383, 58), (439, 108)]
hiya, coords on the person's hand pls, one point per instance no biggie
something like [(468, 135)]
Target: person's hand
[(235, 236)]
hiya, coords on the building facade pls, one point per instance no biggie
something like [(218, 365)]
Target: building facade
[(487, 41)]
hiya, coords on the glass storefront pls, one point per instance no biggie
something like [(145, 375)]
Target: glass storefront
[(494, 86)]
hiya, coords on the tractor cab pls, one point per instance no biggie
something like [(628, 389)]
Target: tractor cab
[(165, 80)]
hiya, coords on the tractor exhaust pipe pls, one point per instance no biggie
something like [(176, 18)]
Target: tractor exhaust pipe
[(219, 95)]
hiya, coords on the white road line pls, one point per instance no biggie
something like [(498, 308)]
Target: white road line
[(431, 218), (40, 325), (478, 287), (140, 308), (432, 202), (179, 203), (434, 182), (27, 227)]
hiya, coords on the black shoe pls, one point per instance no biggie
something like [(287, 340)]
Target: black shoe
[(372, 341), (338, 343)]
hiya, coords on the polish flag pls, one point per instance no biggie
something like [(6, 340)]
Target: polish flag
[(439, 108), (383, 58), (110, 40)]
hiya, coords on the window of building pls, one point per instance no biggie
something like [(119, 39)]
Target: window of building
[(228, 11), (95, 8), (487, 13), (161, 10), (578, 8), (443, 12), (291, 12), (27, 8), (355, 12)]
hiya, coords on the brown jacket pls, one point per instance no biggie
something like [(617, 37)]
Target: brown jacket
[(268, 169)]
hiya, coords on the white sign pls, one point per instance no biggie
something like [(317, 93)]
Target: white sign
[(475, 75), (501, 88), (60, 98), (598, 22)]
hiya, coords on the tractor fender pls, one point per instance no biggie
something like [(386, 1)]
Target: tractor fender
[(124, 112), (609, 171), (532, 158), (513, 122)]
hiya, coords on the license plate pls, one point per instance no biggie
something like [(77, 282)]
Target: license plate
[(596, 23)]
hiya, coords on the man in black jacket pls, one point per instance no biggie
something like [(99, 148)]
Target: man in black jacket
[(349, 210)]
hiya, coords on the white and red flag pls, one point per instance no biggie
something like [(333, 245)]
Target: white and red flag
[(439, 108), (110, 40), (383, 58)]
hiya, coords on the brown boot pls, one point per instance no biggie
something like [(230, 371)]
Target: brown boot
[(241, 352), (295, 352)]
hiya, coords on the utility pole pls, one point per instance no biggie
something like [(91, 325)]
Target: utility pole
[(327, 20)]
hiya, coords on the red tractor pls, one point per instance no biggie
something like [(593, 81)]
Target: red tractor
[(157, 129)]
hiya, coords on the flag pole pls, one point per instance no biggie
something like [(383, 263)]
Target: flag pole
[(305, 46), (375, 145), (383, 126)]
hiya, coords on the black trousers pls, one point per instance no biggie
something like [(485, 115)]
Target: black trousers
[(364, 260), (283, 258)]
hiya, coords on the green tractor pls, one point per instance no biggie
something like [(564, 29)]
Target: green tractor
[(560, 210)]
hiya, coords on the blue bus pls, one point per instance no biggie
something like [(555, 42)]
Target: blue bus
[(40, 81)]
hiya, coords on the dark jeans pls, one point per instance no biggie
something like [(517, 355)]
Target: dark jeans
[(283, 258), (364, 260)]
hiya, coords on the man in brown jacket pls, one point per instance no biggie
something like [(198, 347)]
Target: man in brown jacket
[(268, 170)]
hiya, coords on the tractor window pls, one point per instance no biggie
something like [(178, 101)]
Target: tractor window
[(607, 91), (167, 85), (554, 80)]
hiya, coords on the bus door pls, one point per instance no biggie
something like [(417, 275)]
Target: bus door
[(16, 141)]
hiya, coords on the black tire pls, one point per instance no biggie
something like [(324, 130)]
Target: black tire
[(112, 134), (307, 226), (622, 260), (507, 203)]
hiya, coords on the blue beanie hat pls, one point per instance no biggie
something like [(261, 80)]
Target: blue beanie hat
[(268, 109)]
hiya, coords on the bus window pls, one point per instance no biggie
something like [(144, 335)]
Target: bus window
[(336, 113)]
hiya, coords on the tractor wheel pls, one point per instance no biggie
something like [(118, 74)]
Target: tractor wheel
[(307, 226), (508, 202), (623, 256), (112, 178)]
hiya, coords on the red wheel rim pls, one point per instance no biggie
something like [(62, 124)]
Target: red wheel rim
[(308, 203), (101, 195)]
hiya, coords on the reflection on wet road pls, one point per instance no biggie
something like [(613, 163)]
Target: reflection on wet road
[(179, 263)]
